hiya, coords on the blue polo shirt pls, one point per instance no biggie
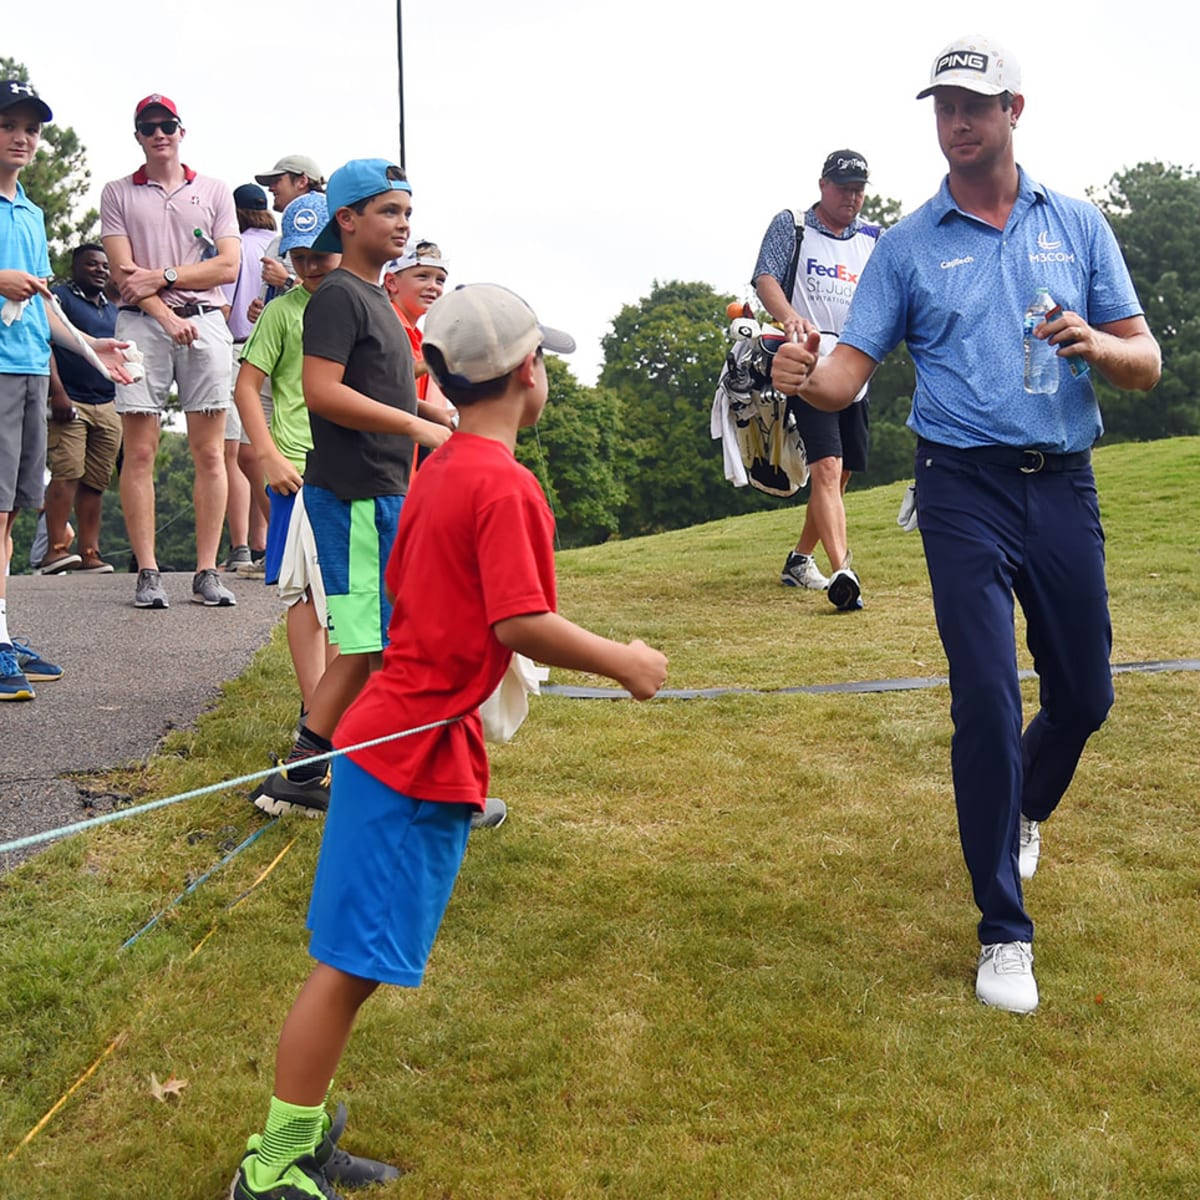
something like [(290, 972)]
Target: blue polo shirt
[(956, 289), (25, 344), (82, 382)]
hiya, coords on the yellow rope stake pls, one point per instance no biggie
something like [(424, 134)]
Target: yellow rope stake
[(121, 1036), (261, 876), (66, 1096)]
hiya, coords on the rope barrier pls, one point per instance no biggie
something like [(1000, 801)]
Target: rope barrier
[(35, 839)]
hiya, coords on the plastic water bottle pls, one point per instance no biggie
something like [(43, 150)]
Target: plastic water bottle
[(208, 248), (1077, 366), (1041, 360)]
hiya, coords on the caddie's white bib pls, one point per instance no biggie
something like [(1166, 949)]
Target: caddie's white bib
[(826, 276)]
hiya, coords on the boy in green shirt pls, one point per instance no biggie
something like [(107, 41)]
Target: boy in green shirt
[(275, 350)]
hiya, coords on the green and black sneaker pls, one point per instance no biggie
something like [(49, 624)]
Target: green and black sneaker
[(345, 1169)]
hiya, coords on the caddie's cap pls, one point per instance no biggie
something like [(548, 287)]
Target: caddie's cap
[(976, 63), (483, 330), (156, 100), (292, 164), (359, 179), (17, 91), (250, 196), (303, 219), (845, 166)]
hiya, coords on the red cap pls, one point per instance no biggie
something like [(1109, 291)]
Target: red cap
[(156, 99)]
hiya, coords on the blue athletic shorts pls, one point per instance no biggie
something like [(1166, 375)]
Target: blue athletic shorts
[(354, 539), (282, 504), (384, 876)]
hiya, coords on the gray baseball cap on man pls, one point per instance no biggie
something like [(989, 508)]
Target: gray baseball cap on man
[(292, 164)]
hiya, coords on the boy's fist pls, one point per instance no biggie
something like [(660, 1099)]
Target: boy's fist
[(646, 671)]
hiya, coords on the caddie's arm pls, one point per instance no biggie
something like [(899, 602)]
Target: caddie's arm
[(548, 638), (281, 476), (326, 394), (828, 383), (777, 304), (1125, 352)]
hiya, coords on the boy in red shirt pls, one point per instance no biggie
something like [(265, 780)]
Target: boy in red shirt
[(472, 571)]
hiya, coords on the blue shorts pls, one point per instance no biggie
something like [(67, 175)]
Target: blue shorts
[(354, 539), (384, 876), (282, 504)]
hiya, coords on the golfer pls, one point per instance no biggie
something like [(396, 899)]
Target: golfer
[(1005, 492)]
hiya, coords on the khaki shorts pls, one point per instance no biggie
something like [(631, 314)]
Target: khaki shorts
[(300, 569), (234, 430), (199, 371), (86, 448)]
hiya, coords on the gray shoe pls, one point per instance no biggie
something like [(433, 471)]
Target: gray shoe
[(493, 815), (239, 557), (150, 593), (208, 589)]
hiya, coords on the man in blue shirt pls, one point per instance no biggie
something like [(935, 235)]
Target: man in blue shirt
[(1005, 492), (84, 435)]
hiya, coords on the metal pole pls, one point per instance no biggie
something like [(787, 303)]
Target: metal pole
[(400, 72)]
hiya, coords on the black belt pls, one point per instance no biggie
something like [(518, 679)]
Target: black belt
[(184, 310), (1029, 462)]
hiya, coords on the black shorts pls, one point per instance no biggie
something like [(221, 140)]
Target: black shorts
[(843, 435)]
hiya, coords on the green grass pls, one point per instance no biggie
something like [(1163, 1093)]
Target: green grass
[(723, 948)]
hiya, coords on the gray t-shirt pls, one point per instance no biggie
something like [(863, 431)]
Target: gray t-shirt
[(352, 322)]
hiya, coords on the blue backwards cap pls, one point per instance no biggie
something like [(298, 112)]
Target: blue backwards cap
[(359, 179)]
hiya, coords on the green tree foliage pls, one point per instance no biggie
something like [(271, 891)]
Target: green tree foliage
[(1154, 210), (56, 181), (575, 451), (662, 359), (881, 210)]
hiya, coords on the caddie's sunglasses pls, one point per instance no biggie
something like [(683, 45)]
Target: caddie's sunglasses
[(147, 128)]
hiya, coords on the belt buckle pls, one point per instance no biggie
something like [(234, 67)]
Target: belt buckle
[(1037, 460)]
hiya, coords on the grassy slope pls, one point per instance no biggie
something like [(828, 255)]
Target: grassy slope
[(723, 948)]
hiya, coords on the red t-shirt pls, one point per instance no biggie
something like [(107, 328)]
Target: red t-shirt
[(475, 546)]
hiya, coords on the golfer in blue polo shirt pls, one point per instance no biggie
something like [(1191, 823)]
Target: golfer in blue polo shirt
[(1005, 492)]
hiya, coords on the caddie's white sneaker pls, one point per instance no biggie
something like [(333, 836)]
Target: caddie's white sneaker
[(1031, 847), (1004, 978), (801, 570)]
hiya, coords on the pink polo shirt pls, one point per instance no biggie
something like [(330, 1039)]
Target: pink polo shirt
[(160, 225)]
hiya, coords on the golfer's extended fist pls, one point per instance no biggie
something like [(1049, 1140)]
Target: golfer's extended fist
[(646, 670), (794, 362)]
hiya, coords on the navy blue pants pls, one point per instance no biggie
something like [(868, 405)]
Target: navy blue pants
[(991, 533)]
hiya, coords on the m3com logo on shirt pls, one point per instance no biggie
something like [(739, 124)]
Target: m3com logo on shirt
[(1048, 250)]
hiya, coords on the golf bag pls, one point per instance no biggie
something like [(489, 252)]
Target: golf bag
[(760, 442)]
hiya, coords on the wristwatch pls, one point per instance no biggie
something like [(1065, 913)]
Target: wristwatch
[(171, 276)]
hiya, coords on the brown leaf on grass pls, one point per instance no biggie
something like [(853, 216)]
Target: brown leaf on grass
[(172, 1087)]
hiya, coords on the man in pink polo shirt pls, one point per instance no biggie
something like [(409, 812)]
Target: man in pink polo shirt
[(171, 237)]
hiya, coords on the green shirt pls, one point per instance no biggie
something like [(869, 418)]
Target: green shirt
[(275, 347)]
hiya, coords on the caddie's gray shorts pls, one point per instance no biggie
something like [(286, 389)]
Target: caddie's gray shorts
[(23, 441), (199, 371)]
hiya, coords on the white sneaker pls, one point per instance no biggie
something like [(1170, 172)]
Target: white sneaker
[(1004, 978), (1030, 849), (801, 570)]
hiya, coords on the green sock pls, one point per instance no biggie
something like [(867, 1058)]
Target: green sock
[(292, 1131)]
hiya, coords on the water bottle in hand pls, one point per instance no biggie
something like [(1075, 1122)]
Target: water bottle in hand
[(1041, 359)]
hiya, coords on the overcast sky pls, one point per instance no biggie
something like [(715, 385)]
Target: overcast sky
[(578, 152)]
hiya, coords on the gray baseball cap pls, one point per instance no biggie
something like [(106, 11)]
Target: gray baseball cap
[(292, 164)]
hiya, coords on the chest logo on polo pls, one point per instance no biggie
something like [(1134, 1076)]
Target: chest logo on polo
[(1048, 250), (948, 263)]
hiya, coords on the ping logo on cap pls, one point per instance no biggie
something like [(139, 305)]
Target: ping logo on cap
[(962, 60)]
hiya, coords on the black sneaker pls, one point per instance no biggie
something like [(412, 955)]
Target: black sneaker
[(492, 816), (303, 1180), (347, 1169), (844, 591), (277, 794)]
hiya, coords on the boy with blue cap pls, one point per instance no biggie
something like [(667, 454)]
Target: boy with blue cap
[(365, 418), (275, 351)]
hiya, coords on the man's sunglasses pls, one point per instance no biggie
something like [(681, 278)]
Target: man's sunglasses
[(147, 128)]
